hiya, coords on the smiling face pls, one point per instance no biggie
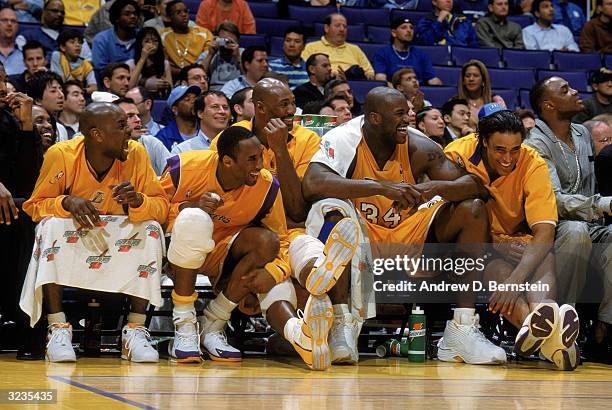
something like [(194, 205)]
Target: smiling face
[(278, 102), (216, 113), (472, 79), (502, 150), (394, 118), (41, 120), (432, 124), (248, 161)]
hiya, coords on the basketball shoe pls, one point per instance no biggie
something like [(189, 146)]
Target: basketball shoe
[(343, 336), (560, 348), (538, 326), (136, 344), (185, 347), (59, 343)]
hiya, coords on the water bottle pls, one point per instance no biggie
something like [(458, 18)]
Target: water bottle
[(93, 329), (417, 339)]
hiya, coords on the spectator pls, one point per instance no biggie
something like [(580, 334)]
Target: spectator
[(74, 104), (241, 105), (27, 11), (194, 75), (340, 105), (51, 25), (10, 56), (254, 62), (601, 134), (45, 88), (397, 4), (184, 126), (596, 35), (144, 102), (601, 101), (211, 13), (100, 21), (116, 44), (161, 19), (43, 127), (213, 111), (527, 117), (149, 67), (116, 78), (429, 121), (405, 81), (399, 54), (442, 27), (347, 60), (456, 115), (222, 62), (291, 63), (158, 154), (81, 12), (475, 87), (183, 44), (543, 34), (570, 15), (494, 30), (335, 87), (68, 63), (319, 72), (34, 61)]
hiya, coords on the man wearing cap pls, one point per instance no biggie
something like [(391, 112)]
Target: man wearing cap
[(601, 101), (399, 54), (494, 29), (184, 125)]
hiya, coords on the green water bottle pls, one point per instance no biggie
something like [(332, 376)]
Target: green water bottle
[(417, 339)]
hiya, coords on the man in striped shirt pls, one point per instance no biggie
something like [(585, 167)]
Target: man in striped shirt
[(291, 63)]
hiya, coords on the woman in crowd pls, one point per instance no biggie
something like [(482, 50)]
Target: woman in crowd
[(475, 87), (150, 68), (430, 122)]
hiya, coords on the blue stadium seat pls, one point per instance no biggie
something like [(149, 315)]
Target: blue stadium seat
[(23, 27), (438, 95), (577, 80), (276, 46), (488, 55), (355, 15), (439, 55), (413, 15), (379, 34), (274, 27), (448, 75), (361, 88), (158, 109), (608, 60), (424, 5), (247, 40), (192, 5), (526, 58), (309, 15), (504, 78), (370, 49), (576, 61), (263, 9), (509, 95), (80, 29), (524, 98), (356, 32), (522, 20)]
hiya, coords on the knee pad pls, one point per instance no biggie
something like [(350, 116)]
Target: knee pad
[(303, 249), (191, 238), (281, 291)]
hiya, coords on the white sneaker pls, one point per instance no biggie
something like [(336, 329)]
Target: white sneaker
[(464, 342), (136, 344), (59, 343), (311, 333), (343, 339), (538, 326), (339, 250), (185, 347), (560, 348), (216, 345)]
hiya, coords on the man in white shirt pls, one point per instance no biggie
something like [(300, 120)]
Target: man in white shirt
[(543, 34)]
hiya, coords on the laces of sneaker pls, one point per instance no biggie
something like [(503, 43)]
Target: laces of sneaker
[(60, 335), (221, 335), (188, 337), (139, 336)]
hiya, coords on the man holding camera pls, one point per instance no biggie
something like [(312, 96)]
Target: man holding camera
[(222, 61)]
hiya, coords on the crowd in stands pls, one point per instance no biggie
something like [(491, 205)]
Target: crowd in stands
[(182, 72)]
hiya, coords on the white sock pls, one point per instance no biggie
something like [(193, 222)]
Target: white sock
[(341, 310), (217, 313), (289, 330), (136, 318), (183, 316), (59, 317), (461, 315)]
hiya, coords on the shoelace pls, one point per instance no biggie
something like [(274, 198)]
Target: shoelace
[(188, 337), (138, 334), (61, 335)]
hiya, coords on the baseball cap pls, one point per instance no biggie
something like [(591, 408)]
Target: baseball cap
[(489, 109), (180, 91), (601, 76), (398, 21)]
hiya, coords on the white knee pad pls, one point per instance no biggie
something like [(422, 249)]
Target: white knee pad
[(281, 291), (191, 238), (303, 249)]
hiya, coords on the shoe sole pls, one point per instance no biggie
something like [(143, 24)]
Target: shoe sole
[(318, 317), (542, 324), (339, 250), (564, 338), (191, 359), (47, 358), (569, 325), (223, 359)]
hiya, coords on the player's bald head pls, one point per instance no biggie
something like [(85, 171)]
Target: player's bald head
[(380, 98), (98, 115), (269, 87)]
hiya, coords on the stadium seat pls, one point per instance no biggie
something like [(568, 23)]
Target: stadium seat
[(608, 60), (526, 58), (23, 27), (577, 80), (309, 15), (193, 5), (370, 49), (522, 20), (274, 27), (489, 55), (504, 78), (276, 46), (263, 9), (356, 32), (158, 109), (413, 15), (424, 5), (379, 34), (448, 75), (524, 98), (247, 40), (438, 95), (355, 15), (576, 61), (439, 55), (361, 88), (509, 95)]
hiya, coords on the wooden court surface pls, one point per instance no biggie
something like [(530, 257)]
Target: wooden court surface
[(260, 383)]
